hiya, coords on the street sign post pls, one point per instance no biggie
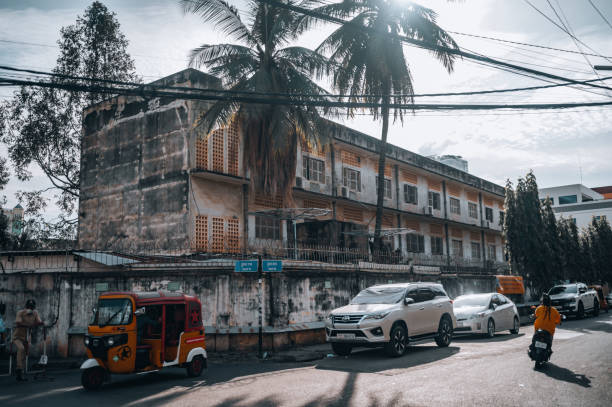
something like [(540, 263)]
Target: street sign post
[(272, 265), (246, 266)]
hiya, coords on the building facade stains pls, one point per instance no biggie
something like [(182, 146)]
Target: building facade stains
[(134, 169), (150, 180)]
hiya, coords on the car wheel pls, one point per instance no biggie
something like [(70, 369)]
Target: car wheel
[(515, 326), (580, 312), (490, 328), (595, 308), (341, 349), (196, 366), (93, 378), (399, 341), (445, 332)]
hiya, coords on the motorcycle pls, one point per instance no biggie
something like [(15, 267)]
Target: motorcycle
[(541, 343), (540, 348)]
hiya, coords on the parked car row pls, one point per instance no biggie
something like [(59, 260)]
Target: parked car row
[(394, 315)]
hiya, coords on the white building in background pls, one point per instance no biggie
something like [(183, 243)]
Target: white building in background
[(579, 203), (455, 161)]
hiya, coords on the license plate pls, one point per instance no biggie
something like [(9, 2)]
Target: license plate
[(345, 336), (541, 345)]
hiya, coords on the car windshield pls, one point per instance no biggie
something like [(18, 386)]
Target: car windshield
[(563, 289), (472, 300), (379, 295), (116, 311)]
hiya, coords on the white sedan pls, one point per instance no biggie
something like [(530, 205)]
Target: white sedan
[(486, 314)]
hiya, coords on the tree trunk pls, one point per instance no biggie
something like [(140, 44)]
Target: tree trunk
[(380, 193)]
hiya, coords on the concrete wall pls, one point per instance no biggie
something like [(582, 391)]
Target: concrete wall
[(230, 300), (134, 169)]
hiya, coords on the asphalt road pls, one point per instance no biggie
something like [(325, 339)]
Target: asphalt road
[(473, 371)]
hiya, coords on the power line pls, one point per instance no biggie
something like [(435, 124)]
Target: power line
[(423, 44), (600, 14), (249, 93), (564, 29), (524, 43), (145, 92)]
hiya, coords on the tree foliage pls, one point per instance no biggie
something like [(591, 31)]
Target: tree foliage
[(368, 61), (261, 61), (42, 127), (544, 249)]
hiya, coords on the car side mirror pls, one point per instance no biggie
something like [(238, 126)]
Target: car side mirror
[(140, 311), (582, 291), (408, 301), (493, 306)]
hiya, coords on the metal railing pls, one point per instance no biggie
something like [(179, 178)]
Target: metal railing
[(71, 260)]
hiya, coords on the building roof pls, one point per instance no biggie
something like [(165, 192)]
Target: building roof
[(603, 190)]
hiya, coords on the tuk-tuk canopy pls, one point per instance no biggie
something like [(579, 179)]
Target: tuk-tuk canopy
[(143, 298)]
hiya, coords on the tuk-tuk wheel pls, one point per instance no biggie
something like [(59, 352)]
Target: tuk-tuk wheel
[(195, 367), (93, 378)]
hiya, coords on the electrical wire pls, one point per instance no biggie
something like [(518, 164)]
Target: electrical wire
[(421, 44), (248, 93), (153, 93), (600, 14)]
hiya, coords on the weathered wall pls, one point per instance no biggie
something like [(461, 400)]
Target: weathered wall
[(134, 169), (229, 299)]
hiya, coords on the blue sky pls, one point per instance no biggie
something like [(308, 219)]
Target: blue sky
[(562, 147)]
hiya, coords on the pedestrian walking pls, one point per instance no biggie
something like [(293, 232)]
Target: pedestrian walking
[(27, 318)]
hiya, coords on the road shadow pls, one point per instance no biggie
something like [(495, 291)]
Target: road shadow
[(375, 360), (563, 374), (499, 337)]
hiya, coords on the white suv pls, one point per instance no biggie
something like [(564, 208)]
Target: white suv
[(392, 316)]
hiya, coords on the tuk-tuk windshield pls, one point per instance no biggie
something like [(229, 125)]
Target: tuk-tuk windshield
[(113, 311)]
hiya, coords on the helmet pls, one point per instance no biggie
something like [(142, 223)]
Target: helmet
[(31, 304), (546, 299)]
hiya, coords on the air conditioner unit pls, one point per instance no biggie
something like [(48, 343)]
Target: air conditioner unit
[(298, 182), (344, 192), (353, 195), (430, 210), (315, 187)]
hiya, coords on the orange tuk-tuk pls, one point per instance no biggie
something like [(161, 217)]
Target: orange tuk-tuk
[(132, 332)]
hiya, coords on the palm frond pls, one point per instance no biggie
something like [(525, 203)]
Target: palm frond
[(223, 15)]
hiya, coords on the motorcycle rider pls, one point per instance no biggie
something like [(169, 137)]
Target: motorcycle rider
[(547, 318)]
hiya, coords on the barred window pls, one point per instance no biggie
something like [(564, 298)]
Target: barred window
[(267, 228), (410, 194), (455, 206), (434, 200), (351, 179), (387, 187), (457, 247), (436, 245), (492, 252), (415, 243), (313, 169), (473, 210), (475, 250), (489, 214)]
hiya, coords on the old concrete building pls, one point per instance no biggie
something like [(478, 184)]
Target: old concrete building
[(149, 180)]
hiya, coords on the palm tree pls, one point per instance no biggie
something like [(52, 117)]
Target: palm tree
[(262, 62), (370, 60)]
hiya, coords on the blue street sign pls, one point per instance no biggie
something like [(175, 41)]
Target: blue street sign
[(272, 265), (246, 266)]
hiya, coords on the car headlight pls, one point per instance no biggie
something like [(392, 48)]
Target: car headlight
[(110, 341), (477, 315), (86, 341), (378, 315)]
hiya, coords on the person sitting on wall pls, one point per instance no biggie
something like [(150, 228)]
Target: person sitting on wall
[(26, 318)]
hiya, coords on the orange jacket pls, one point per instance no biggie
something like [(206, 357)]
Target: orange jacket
[(547, 322)]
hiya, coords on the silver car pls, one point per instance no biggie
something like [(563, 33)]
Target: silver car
[(392, 315), (485, 313)]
